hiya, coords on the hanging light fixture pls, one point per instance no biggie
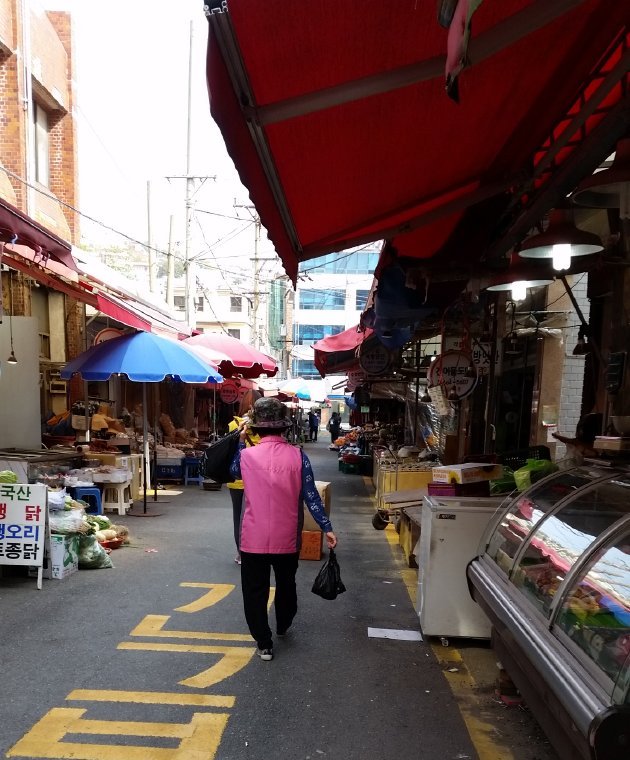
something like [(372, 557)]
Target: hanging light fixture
[(560, 241), (608, 188), (518, 288), (11, 359)]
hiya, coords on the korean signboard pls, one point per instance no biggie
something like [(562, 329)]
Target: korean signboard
[(22, 524), (454, 370)]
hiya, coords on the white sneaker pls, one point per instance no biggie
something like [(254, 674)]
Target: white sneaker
[(265, 654)]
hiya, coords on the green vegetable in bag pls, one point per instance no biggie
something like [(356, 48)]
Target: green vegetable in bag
[(8, 476), (533, 470)]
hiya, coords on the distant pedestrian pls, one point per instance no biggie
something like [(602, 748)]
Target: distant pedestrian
[(334, 426), (313, 425), (278, 479)]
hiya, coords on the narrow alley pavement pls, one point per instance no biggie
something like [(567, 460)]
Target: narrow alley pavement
[(152, 659)]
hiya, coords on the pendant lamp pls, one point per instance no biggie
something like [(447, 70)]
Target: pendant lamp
[(608, 188), (518, 288), (560, 241)]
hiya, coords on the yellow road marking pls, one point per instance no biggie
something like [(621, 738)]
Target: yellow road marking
[(217, 592), (233, 659), (462, 684), (153, 625), (200, 738), (150, 697)]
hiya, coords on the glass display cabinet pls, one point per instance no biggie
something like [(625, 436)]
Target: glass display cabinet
[(553, 576)]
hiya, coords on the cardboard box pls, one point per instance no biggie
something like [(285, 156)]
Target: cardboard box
[(311, 544), (324, 490), (114, 460), (473, 472)]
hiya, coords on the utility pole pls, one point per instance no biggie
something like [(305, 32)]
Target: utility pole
[(150, 241), (191, 314), (170, 265), (189, 268), (256, 290)]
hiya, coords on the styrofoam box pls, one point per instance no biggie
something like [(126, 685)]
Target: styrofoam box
[(472, 472), (62, 559)]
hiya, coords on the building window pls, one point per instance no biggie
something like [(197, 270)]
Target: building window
[(236, 303), (322, 299), (234, 332), (40, 147), (304, 368), (308, 334), (179, 302), (199, 303), (361, 299), (357, 262)]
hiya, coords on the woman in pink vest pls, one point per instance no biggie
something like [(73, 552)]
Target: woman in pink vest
[(277, 478)]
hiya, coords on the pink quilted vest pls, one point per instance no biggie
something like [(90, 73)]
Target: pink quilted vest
[(272, 512)]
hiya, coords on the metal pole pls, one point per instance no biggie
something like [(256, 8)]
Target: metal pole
[(415, 417), (145, 445), (256, 304)]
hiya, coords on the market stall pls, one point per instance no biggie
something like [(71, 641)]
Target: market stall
[(553, 576)]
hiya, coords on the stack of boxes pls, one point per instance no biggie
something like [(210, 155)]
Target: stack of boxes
[(312, 536)]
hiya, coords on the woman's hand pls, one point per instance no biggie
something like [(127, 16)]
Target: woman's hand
[(331, 539), (242, 431)]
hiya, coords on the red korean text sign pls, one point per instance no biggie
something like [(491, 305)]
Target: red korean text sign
[(22, 523)]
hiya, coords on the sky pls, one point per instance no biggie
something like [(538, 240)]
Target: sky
[(131, 72)]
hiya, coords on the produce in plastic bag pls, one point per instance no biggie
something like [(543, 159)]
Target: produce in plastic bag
[(534, 470), (328, 583), (92, 556), (69, 521), (57, 498)]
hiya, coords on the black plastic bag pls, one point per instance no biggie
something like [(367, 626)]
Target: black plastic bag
[(328, 583), (218, 457)]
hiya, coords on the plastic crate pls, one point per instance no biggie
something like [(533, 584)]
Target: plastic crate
[(516, 459), (348, 469)]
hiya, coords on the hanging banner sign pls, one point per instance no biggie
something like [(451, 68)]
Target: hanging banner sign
[(107, 334), (481, 352), (454, 370), (228, 392), (376, 361), (23, 525), (355, 377)]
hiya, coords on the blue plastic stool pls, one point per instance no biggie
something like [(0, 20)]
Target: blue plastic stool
[(91, 495), (192, 471)]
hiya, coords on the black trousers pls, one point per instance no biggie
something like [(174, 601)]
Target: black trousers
[(255, 582), (236, 494)]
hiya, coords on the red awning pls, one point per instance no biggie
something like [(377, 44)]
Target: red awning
[(347, 340), (337, 353), (336, 116), (121, 313), (17, 227)]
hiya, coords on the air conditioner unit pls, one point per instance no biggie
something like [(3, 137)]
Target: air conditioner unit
[(54, 374), (57, 386)]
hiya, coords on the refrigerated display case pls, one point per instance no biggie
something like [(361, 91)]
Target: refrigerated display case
[(450, 531), (553, 576)]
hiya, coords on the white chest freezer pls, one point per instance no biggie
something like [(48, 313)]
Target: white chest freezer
[(450, 535)]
